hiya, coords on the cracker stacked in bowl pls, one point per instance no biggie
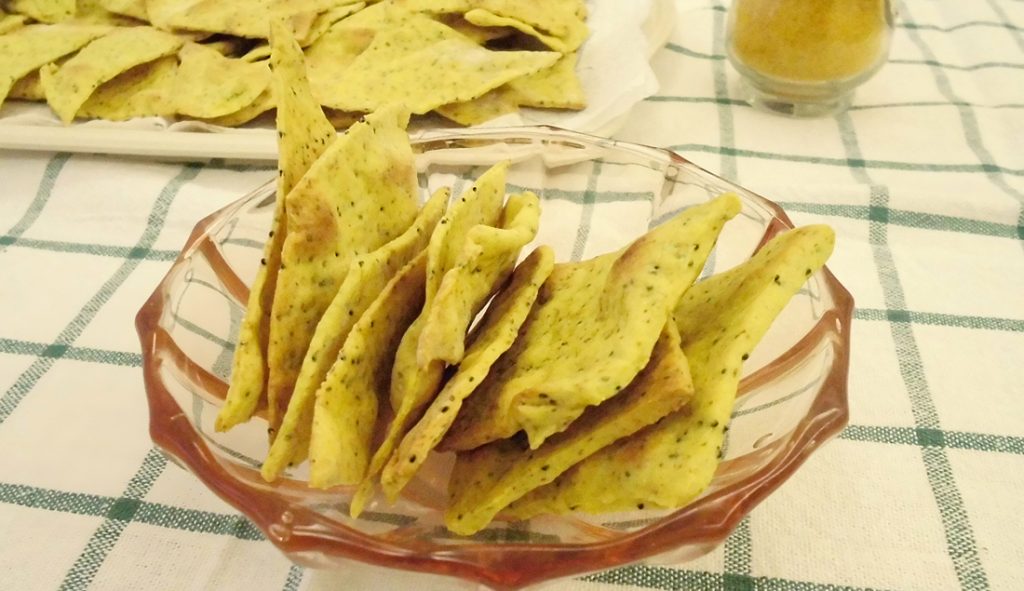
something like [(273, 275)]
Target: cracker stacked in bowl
[(599, 385)]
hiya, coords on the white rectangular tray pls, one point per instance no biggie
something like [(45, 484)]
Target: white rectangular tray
[(614, 69)]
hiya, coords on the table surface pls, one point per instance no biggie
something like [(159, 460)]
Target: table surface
[(923, 180)]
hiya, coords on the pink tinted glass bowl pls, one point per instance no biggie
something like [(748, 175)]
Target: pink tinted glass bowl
[(597, 194)]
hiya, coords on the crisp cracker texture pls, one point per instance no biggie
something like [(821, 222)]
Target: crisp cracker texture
[(591, 332), (575, 37), (479, 35), (366, 278), (70, 85), (263, 103), (303, 135), (133, 8), (486, 260), (211, 85), (143, 91), (29, 88), (348, 400), (558, 18), (557, 87), (25, 50), (485, 480), (327, 19), (360, 194), (44, 11), (720, 320), (425, 64), (493, 104), (492, 337), (11, 22), (414, 384), (252, 21), (160, 12)]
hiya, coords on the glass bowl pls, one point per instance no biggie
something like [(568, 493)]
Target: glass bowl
[(597, 195)]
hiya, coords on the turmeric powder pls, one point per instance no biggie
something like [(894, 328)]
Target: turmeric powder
[(810, 40)]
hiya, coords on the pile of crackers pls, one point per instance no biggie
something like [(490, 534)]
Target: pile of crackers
[(600, 385), (467, 60)]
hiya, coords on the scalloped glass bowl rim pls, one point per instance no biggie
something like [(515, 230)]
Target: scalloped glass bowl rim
[(316, 539)]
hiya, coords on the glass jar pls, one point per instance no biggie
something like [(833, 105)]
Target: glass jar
[(804, 58)]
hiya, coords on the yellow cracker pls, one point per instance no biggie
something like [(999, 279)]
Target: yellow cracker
[(217, 16), (334, 51), (559, 18), (720, 320), (486, 260), (557, 87), (479, 35), (211, 85), (593, 329), (331, 55), (341, 119), (325, 20), (25, 50), (133, 8), (143, 91), (481, 204), (230, 46), (29, 88), (494, 104), (494, 335), (160, 12), (10, 22), (424, 65), (347, 402), (44, 11), (303, 135), (414, 385), (263, 103), (485, 480), (260, 52), (483, 18), (93, 12), (359, 194), (366, 277), (68, 87)]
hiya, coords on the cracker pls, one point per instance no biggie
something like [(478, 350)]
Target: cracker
[(494, 335), (720, 320), (360, 194), (133, 8), (485, 480), (70, 85), (348, 400), (425, 64), (44, 11), (366, 278), (25, 50), (591, 332), (494, 104), (303, 136), (210, 85), (143, 91), (487, 258), (414, 384), (557, 87), (574, 39)]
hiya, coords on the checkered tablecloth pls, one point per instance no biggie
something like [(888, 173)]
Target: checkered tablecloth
[(923, 180)]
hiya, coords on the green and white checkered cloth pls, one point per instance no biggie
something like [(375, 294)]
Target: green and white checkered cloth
[(923, 180)]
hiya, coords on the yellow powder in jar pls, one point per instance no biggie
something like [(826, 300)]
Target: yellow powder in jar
[(809, 40)]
